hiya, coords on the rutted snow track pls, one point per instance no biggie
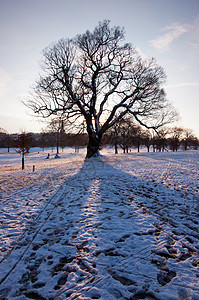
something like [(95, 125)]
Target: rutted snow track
[(107, 235), (24, 195), (32, 231)]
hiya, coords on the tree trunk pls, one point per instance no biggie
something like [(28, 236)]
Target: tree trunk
[(22, 161), (116, 140), (93, 145), (57, 142), (186, 145), (116, 151)]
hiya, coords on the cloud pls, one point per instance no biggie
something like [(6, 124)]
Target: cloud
[(195, 35), (173, 32), (183, 84)]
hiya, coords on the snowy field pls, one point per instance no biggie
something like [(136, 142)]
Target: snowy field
[(120, 226)]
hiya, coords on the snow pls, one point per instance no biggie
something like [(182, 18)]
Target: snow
[(114, 227)]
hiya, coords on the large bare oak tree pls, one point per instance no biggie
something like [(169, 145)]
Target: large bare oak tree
[(96, 78)]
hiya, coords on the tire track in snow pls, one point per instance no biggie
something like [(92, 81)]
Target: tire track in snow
[(54, 202), (27, 196)]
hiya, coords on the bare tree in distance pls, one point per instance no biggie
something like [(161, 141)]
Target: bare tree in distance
[(56, 126), (5, 138), (175, 134), (23, 143), (96, 78), (188, 136)]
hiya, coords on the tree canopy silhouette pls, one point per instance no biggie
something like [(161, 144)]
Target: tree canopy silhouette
[(96, 78)]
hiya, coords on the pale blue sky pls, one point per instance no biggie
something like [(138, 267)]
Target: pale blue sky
[(165, 29)]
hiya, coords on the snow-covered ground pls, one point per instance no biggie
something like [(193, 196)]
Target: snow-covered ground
[(116, 227)]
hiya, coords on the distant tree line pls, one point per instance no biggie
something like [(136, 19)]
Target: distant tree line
[(126, 134), (45, 140), (123, 135)]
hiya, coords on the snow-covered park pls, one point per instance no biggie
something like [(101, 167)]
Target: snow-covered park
[(122, 226)]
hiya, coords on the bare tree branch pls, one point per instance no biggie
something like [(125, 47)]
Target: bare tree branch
[(99, 77)]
